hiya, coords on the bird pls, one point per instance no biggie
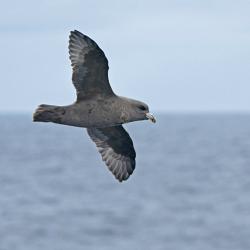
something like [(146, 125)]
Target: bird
[(97, 108)]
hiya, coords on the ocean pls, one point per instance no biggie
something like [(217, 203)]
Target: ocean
[(190, 189)]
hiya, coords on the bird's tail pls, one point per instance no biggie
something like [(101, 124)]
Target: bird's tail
[(48, 113)]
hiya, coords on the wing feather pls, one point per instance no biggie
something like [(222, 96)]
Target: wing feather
[(116, 148), (90, 67)]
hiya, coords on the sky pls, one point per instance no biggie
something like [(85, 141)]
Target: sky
[(177, 56)]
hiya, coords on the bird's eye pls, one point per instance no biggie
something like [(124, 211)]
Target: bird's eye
[(142, 108)]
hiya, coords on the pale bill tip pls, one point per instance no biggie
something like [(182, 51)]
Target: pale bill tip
[(150, 117)]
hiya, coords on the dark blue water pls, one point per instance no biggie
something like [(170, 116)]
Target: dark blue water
[(190, 190)]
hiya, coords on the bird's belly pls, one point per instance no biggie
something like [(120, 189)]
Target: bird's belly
[(91, 117), (97, 120)]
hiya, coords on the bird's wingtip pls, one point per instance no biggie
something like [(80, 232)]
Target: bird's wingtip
[(76, 32)]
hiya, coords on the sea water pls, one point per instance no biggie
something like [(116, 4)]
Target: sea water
[(190, 189)]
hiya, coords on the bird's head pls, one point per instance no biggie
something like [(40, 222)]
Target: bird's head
[(138, 111)]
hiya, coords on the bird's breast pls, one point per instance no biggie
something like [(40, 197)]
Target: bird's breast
[(92, 114)]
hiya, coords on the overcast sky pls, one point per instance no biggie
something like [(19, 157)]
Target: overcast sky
[(175, 55)]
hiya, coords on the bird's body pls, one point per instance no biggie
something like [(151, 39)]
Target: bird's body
[(97, 108), (89, 113)]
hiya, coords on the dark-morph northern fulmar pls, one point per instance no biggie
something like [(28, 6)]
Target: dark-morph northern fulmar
[(97, 107)]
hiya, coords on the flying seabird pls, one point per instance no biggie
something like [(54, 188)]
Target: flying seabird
[(97, 107)]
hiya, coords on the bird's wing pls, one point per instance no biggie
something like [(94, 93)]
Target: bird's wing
[(90, 67), (116, 148)]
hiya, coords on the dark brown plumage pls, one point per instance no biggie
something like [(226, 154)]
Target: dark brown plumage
[(97, 108)]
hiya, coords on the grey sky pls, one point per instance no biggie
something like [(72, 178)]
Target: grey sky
[(175, 55)]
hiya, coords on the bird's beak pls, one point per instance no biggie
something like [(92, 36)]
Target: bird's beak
[(150, 117)]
